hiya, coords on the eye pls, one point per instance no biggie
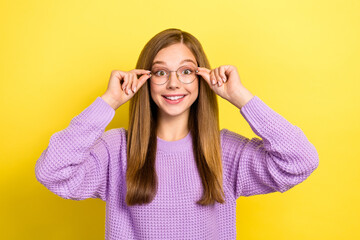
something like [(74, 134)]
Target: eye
[(163, 73), (188, 71)]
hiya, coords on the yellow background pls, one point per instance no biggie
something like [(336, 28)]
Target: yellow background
[(300, 57)]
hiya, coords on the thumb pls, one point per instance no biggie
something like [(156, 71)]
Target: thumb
[(142, 80)]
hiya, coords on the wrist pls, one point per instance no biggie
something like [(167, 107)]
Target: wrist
[(109, 100), (242, 97)]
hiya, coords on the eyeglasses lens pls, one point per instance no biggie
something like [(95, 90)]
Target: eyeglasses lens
[(186, 74)]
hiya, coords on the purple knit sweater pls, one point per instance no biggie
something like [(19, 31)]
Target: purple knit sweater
[(85, 161)]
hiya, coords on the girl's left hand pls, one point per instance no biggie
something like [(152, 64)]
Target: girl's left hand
[(224, 81)]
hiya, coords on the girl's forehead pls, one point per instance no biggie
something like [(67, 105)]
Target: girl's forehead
[(168, 63), (174, 55)]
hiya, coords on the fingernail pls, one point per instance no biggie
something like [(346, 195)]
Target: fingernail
[(213, 81), (134, 89)]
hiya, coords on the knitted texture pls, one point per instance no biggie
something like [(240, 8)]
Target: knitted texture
[(85, 161)]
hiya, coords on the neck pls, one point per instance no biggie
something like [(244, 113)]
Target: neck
[(173, 128)]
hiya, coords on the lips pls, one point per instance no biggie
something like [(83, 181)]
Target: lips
[(173, 95), (174, 98)]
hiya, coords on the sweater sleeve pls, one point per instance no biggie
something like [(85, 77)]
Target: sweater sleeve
[(282, 159), (75, 163)]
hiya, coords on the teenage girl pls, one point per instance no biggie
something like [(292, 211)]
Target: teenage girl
[(174, 174)]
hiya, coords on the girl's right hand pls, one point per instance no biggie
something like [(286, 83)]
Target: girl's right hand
[(123, 85)]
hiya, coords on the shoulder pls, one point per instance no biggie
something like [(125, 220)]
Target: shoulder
[(234, 144), (115, 137), (228, 137), (115, 133)]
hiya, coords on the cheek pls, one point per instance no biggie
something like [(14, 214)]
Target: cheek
[(195, 89), (154, 93)]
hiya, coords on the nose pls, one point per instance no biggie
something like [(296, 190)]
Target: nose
[(173, 82)]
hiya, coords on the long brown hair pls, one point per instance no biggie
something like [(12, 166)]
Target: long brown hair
[(141, 178)]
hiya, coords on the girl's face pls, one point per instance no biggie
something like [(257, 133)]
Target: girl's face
[(172, 58)]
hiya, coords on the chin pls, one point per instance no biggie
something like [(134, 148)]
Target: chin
[(172, 113)]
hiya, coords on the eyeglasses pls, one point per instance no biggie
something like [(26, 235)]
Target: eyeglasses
[(185, 74)]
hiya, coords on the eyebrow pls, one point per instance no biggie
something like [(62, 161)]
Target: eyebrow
[(162, 62)]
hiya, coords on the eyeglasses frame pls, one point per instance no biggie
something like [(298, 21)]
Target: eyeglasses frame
[(177, 75)]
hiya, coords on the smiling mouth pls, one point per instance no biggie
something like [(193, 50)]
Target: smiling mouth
[(174, 97)]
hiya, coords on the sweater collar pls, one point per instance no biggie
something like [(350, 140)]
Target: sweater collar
[(175, 146)]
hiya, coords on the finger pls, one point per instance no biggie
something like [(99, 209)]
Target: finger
[(140, 71), (117, 76), (222, 73), (203, 69), (218, 78), (131, 77), (116, 73), (142, 80), (133, 86), (126, 80), (204, 73), (212, 77), (121, 75)]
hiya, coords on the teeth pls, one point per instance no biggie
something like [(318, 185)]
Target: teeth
[(175, 98)]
